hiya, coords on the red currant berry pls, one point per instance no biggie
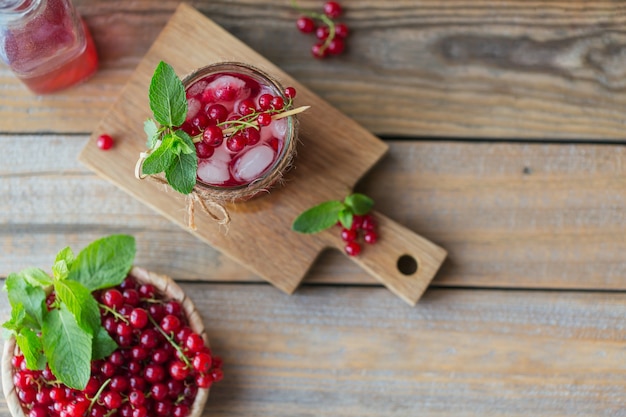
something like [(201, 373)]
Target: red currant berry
[(178, 370), (305, 24), (162, 408), (204, 380), (117, 358), (290, 92), (108, 369), (136, 398), (119, 383), (137, 383), (27, 395), (105, 142), (157, 311), (147, 290), (180, 410), (217, 375), (57, 394), (182, 334), (322, 33), (217, 113), (113, 299), (370, 237), (159, 391), (217, 362), (332, 9), (138, 318), (138, 353), (246, 107), (348, 235), (170, 323), (149, 339), (128, 284), (353, 248), (278, 103), (265, 101), (131, 297), (336, 46), (264, 119), (252, 136), (112, 400), (194, 342), (357, 222), (203, 150), (124, 329), (341, 30), (160, 356), (17, 360), (140, 411), (38, 411), (369, 223), (236, 142), (154, 373), (202, 362), (43, 397), (200, 121), (319, 51), (174, 388)]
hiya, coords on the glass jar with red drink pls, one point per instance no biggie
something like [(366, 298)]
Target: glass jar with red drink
[(46, 44)]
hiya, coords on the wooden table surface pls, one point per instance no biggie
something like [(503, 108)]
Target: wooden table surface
[(506, 122)]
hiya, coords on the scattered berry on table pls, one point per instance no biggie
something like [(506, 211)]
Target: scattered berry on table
[(363, 230), (330, 34), (104, 142)]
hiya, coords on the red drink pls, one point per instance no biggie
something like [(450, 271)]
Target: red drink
[(249, 154), (46, 44)]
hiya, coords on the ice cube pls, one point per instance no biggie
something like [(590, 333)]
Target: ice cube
[(253, 163), (228, 88), (279, 127), (196, 89), (193, 106), (221, 154), (213, 171)]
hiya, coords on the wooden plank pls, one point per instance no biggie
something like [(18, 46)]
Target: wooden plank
[(359, 352), (513, 69), (510, 215)]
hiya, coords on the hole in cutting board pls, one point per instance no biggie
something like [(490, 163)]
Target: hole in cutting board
[(407, 265)]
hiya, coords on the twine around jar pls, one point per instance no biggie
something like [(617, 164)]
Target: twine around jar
[(170, 290)]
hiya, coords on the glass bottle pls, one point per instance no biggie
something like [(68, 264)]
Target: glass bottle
[(46, 44)]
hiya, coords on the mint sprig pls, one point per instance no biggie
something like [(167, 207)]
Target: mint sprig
[(68, 336), (171, 150), (328, 213)]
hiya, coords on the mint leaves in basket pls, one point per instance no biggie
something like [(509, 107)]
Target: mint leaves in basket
[(64, 331)]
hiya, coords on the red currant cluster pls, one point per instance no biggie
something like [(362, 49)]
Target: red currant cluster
[(331, 36), (156, 371), (242, 128), (363, 227)]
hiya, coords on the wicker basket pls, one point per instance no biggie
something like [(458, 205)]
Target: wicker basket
[(162, 283)]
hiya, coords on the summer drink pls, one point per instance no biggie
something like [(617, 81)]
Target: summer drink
[(230, 109)]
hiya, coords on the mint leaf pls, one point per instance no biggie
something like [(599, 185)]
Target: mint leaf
[(36, 277), (80, 303), (16, 322), (32, 349), (182, 143), (318, 218), (167, 96), (359, 203), (161, 158), (60, 270), (181, 174), (103, 345), (32, 298), (152, 132), (346, 217), (67, 347), (104, 263), (66, 255)]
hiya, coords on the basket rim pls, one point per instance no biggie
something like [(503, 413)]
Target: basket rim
[(171, 291)]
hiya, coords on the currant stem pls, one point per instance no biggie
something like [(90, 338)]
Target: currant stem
[(112, 311), (171, 341), (95, 397)]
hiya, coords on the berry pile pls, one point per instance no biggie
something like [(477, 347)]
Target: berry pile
[(363, 229), (331, 36), (156, 371)]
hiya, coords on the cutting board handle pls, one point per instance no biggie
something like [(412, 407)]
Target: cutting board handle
[(401, 260)]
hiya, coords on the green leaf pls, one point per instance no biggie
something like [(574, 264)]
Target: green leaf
[(36, 277), (32, 298), (18, 317), (183, 143), (104, 263), (152, 132), (359, 203), (318, 218), (103, 345), (346, 217), (67, 347), (161, 158), (32, 348), (167, 96), (66, 255), (181, 174), (60, 270), (80, 303)]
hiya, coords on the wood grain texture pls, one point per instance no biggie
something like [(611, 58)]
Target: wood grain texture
[(359, 352), (511, 215), (501, 69)]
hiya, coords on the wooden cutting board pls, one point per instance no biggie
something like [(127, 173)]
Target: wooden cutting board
[(333, 153)]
